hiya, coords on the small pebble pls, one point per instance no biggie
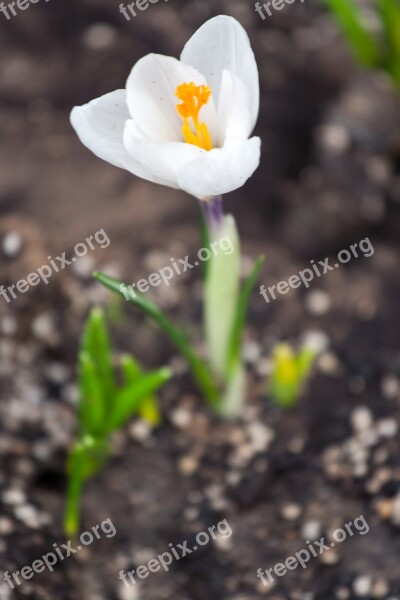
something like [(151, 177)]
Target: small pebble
[(28, 515), (8, 325), (13, 497), (361, 419), (181, 417), (5, 591), (342, 593), (140, 431), (315, 340), (329, 364), (318, 302), (84, 267), (43, 327), (6, 526), (330, 558), (12, 244), (396, 511), (261, 436), (334, 138), (188, 465), (311, 530), (390, 387), (127, 593), (380, 589), (362, 585), (387, 427), (251, 352), (291, 512), (99, 36)]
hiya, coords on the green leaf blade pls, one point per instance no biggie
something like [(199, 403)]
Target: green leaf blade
[(350, 20), (129, 399), (200, 371)]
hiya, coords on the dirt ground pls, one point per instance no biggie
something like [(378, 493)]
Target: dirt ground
[(329, 177)]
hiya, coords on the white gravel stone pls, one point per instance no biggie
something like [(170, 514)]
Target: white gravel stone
[(318, 302), (8, 325), (362, 585), (361, 419), (99, 36), (316, 340), (311, 530), (6, 526), (260, 435), (28, 515), (181, 417), (127, 593), (387, 427), (12, 244), (43, 327), (13, 497), (5, 592), (291, 512), (390, 387), (380, 589), (396, 510)]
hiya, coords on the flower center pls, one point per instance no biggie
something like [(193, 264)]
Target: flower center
[(193, 98)]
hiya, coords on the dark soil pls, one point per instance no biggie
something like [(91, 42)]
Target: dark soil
[(329, 178)]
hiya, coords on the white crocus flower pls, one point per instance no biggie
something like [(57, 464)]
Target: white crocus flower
[(183, 123)]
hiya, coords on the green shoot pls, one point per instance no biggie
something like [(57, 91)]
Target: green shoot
[(379, 49), (290, 371), (104, 406)]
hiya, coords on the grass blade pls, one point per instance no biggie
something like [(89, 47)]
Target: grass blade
[(350, 20), (91, 402), (199, 370), (240, 317), (129, 399), (96, 342)]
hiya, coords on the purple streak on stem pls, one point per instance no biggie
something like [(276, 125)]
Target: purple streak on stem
[(213, 212)]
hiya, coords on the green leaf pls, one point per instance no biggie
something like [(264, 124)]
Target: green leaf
[(148, 408), (76, 466), (91, 402), (235, 345), (131, 369), (389, 11), (86, 458), (128, 400), (350, 20), (96, 342), (200, 371)]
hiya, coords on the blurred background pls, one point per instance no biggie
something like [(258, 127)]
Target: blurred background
[(329, 177)]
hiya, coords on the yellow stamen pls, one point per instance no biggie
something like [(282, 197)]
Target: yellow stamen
[(193, 98)]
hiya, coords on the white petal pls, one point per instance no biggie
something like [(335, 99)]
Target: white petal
[(222, 43), (151, 98), (162, 161), (100, 126), (221, 170), (234, 120)]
